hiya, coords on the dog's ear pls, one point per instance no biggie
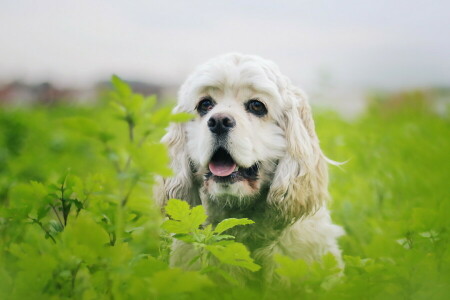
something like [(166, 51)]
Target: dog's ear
[(300, 183), (180, 185)]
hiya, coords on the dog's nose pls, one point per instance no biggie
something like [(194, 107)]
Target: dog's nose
[(221, 123)]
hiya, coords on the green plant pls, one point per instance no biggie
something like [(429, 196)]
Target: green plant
[(77, 220), (98, 236), (185, 223)]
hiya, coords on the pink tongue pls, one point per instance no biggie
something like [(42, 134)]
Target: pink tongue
[(221, 169)]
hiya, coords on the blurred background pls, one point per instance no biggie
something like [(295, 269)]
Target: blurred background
[(337, 51)]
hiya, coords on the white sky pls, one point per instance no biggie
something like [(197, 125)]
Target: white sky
[(376, 44)]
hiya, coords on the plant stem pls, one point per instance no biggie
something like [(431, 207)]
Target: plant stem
[(74, 276), (57, 215), (112, 238), (130, 128), (115, 164), (63, 201), (127, 164), (127, 196), (43, 228)]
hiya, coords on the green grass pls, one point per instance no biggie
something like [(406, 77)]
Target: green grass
[(391, 196)]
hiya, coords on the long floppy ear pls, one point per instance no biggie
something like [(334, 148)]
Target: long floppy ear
[(181, 184), (300, 183)]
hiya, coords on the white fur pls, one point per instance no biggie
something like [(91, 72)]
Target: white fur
[(289, 197)]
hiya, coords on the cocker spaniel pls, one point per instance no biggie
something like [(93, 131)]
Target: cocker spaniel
[(251, 151)]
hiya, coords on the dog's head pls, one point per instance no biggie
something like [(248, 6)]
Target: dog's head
[(253, 133)]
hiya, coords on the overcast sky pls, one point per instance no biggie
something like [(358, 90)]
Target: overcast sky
[(358, 44)]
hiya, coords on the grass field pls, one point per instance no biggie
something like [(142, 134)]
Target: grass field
[(77, 219)]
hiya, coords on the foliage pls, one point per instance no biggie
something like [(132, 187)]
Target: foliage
[(77, 219), (186, 223)]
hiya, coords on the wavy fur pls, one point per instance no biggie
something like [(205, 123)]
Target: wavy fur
[(288, 200)]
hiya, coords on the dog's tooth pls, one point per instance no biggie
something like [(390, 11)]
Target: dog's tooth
[(236, 169)]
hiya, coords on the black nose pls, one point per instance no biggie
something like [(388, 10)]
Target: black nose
[(221, 123)]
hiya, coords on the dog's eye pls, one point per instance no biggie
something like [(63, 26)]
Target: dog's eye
[(204, 106), (256, 107)]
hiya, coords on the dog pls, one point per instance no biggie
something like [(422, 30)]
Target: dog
[(251, 152)]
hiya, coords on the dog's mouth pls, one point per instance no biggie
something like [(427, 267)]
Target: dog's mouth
[(223, 168), (222, 164)]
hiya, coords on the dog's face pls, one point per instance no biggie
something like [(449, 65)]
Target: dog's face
[(252, 132), (234, 142)]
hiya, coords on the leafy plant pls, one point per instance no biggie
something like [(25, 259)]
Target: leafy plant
[(185, 223), (102, 226), (94, 232)]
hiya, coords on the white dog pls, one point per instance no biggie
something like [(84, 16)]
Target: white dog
[(252, 152)]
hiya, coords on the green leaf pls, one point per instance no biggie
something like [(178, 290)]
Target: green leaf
[(230, 223), (186, 220), (39, 189), (175, 281), (178, 227), (181, 117), (234, 254), (152, 158), (162, 116), (55, 226), (78, 204), (135, 104), (188, 238), (329, 262), (121, 86), (177, 209), (80, 124), (85, 238), (220, 237), (146, 267), (149, 102), (119, 109), (293, 269), (42, 212), (197, 216)]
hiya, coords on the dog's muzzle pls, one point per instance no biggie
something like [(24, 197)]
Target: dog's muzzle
[(222, 167), (221, 123)]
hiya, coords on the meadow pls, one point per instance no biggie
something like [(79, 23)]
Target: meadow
[(77, 219)]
